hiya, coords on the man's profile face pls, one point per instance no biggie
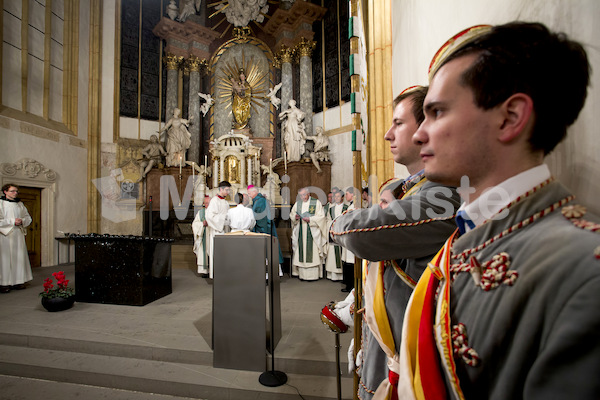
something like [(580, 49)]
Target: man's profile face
[(338, 197), (404, 125), (252, 192), (457, 137), (206, 201), (349, 196), (385, 198)]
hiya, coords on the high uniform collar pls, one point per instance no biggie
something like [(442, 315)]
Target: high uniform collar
[(412, 180), (496, 198)]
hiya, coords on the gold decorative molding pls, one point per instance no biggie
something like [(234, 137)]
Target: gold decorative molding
[(70, 64), (354, 8), (284, 55), (305, 47), (354, 44), (242, 33), (173, 62), (94, 207), (194, 63), (341, 129), (355, 83)]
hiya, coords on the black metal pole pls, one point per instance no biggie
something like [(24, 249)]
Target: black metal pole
[(272, 378), (338, 376), (150, 218)]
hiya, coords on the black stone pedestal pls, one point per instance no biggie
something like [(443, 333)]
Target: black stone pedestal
[(127, 270)]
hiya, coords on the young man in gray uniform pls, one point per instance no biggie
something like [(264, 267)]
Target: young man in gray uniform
[(408, 232), (509, 307)]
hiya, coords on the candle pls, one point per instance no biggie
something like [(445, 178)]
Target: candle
[(193, 173), (285, 160), (270, 165), (180, 165), (205, 163)]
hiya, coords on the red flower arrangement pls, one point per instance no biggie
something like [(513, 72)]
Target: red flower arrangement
[(61, 289)]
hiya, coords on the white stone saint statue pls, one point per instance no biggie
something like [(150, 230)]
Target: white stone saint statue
[(179, 139), (293, 131)]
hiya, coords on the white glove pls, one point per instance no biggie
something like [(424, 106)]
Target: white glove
[(343, 309), (359, 359), (347, 301), (351, 365)]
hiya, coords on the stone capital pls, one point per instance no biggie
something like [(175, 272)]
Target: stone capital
[(173, 62), (305, 47), (195, 64), (285, 54)]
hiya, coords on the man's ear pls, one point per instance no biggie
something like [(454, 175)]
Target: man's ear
[(517, 114)]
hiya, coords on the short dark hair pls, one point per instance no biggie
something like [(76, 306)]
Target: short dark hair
[(8, 186), (238, 198), (224, 184), (521, 57), (417, 98)]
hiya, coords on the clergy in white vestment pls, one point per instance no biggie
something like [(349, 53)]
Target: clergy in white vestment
[(241, 218), (216, 218), (347, 256), (335, 253), (199, 227), (15, 269), (308, 239)]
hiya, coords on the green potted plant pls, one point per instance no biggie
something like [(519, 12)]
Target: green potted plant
[(60, 297)]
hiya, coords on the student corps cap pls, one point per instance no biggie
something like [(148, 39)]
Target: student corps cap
[(454, 44)]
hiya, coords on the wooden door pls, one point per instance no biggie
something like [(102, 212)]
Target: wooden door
[(32, 199)]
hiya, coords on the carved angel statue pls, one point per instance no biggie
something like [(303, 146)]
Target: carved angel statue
[(208, 102), (203, 172), (241, 12), (272, 95), (321, 149), (187, 8), (172, 10), (272, 176)]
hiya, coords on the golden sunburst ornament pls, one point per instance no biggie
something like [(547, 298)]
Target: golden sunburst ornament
[(241, 89)]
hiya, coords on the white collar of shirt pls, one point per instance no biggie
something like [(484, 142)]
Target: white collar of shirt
[(494, 199)]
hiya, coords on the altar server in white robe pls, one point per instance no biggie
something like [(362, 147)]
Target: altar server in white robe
[(335, 252), (199, 227), (308, 239), (241, 218), (216, 218), (15, 269)]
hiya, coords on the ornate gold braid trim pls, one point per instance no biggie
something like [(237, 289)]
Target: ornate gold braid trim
[(399, 225)]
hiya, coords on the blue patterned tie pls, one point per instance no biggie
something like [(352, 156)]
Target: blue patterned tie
[(463, 219)]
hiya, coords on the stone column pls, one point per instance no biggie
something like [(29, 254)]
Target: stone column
[(305, 49), (286, 55), (194, 64), (216, 172), (172, 73)]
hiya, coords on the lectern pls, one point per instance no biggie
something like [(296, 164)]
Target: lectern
[(241, 300)]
